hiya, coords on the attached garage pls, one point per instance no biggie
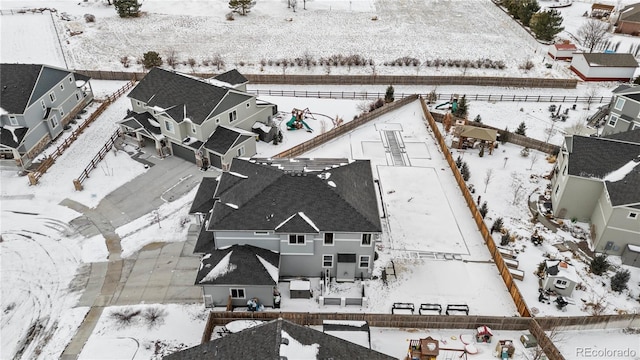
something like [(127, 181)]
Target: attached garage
[(184, 152)]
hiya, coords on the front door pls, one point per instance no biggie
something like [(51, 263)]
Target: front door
[(346, 267)]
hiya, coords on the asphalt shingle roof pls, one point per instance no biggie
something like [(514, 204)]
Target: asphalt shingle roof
[(224, 139), (265, 342), (136, 121), (17, 82), (245, 267), (232, 77), (594, 157), (203, 201), (177, 92), (610, 59), (7, 136), (266, 196), (630, 13)]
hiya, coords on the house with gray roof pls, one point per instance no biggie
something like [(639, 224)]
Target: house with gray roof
[(278, 340), (624, 110), (205, 121), (36, 103), (604, 66), (320, 215), (629, 20), (596, 180)]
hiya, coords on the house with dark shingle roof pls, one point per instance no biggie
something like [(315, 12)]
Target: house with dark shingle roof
[(278, 340), (604, 66), (629, 20), (36, 103), (624, 110), (597, 180), (205, 121), (321, 216)]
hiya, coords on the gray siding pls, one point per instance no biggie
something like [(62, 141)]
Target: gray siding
[(620, 230), (220, 294), (249, 151), (630, 108), (228, 238), (577, 198)]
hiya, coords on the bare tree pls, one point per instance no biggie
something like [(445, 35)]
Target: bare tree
[(554, 336), (487, 179), (517, 187), (591, 94), (534, 159), (592, 33), (578, 127)]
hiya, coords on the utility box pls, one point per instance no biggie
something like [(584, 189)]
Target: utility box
[(528, 341)]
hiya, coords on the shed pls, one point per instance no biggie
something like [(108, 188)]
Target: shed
[(562, 51), (631, 255), (604, 66), (265, 132), (300, 289)]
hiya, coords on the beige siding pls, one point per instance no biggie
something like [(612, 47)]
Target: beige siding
[(577, 198), (620, 231)]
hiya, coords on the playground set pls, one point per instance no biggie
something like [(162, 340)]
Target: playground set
[(297, 120)]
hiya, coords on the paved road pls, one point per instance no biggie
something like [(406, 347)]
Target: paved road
[(160, 272)]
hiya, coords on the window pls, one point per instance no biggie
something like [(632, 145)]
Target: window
[(233, 116), (218, 121), (237, 293), (12, 120), (327, 261), (557, 188), (364, 261), (241, 151), (61, 86), (52, 96), (193, 128), (248, 104), (70, 80), (561, 284), (366, 240), (328, 238), (564, 170), (296, 239), (260, 233), (44, 106), (77, 97), (61, 112), (619, 104), (168, 125), (54, 121), (138, 103), (613, 119), (633, 215)]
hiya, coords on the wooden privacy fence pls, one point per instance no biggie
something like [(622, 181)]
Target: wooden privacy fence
[(344, 128), (513, 137), (77, 183), (518, 300), (365, 95), (51, 159), (365, 79)]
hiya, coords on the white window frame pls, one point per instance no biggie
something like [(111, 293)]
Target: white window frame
[(13, 120), (632, 215), (218, 121), (327, 258), (168, 125), (241, 151), (613, 120), (193, 128), (44, 105), (260, 233), (297, 238), (61, 112), (78, 97), (366, 240), (333, 239), (52, 96), (620, 101), (70, 79), (233, 116), (361, 260), (238, 292), (560, 284), (62, 87), (53, 121), (248, 105), (138, 103)]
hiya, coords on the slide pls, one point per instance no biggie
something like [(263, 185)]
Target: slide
[(443, 104), (291, 124), (309, 129)]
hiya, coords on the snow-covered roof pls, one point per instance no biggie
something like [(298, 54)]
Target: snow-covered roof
[(564, 270), (300, 285), (622, 172), (239, 265), (293, 349), (221, 268)]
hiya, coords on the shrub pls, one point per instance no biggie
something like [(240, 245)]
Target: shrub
[(218, 62), (599, 265), (522, 129), (89, 18), (125, 61), (172, 59), (505, 238), (497, 225), (154, 316), (619, 280), (459, 161), (524, 152), (151, 59), (478, 119), (124, 317), (191, 62), (229, 16), (527, 65), (484, 209), (464, 171), (388, 96)]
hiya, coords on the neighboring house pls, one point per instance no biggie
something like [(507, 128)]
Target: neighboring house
[(600, 11), (37, 102), (562, 51), (624, 110), (596, 180), (320, 216), (560, 277), (205, 121), (604, 66), (278, 340), (629, 20)]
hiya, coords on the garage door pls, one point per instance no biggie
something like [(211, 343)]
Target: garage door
[(184, 152)]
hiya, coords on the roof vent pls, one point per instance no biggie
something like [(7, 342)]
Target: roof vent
[(637, 159), (284, 341)]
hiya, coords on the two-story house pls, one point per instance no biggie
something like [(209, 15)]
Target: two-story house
[(597, 180), (205, 121), (37, 102), (624, 110), (298, 218)]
